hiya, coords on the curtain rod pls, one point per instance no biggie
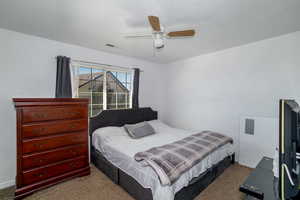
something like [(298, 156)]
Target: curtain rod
[(96, 63)]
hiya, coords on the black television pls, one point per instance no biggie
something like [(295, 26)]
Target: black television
[(289, 150)]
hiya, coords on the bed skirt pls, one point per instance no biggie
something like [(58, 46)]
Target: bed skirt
[(138, 192)]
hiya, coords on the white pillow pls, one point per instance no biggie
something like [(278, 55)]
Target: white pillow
[(107, 133), (159, 126)]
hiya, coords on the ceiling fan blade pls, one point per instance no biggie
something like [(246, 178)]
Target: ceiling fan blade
[(154, 22), (182, 33)]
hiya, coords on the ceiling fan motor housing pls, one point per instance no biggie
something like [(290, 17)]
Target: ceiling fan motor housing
[(158, 40)]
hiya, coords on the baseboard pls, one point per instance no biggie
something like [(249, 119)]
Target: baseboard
[(245, 165), (7, 184)]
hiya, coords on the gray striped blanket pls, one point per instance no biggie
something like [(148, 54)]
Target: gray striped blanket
[(171, 160)]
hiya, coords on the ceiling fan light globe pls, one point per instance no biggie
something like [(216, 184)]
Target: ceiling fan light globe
[(160, 47), (158, 43)]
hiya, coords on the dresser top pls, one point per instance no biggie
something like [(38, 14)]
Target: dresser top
[(20, 102)]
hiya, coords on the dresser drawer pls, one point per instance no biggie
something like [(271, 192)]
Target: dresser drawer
[(38, 114), (49, 157), (36, 175), (52, 142), (50, 128)]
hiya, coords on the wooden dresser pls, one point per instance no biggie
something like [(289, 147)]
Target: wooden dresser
[(52, 142)]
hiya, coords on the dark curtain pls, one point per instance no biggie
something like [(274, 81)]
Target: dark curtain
[(63, 78), (135, 92)]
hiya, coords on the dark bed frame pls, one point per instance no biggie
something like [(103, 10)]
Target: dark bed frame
[(131, 116)]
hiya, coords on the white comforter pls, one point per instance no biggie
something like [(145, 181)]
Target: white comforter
[(119, 149)]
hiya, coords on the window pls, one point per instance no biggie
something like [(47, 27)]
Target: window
[(106, 89)]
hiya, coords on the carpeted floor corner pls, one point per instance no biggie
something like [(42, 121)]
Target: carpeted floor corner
[(98, 187), (226, 187)]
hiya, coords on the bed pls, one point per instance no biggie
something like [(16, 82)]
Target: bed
[(112, 152)]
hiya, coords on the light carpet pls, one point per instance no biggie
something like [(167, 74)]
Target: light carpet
[(98, 187)]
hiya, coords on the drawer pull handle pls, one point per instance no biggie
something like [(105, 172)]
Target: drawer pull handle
[(73, 152), (72, 165), (40, 160), (72, 126), (39, 146), (76, 113), (40, 115), (40, 175), (39, 130), (77, 138)]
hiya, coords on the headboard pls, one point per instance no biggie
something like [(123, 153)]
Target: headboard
[(121, 117)]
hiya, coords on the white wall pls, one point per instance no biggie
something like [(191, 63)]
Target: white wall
[(28, 69), (215, 91), (253, 147)]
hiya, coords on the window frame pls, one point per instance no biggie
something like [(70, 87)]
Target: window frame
[(106, 69)]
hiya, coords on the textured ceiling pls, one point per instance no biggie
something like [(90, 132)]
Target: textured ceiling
[(220, 24)]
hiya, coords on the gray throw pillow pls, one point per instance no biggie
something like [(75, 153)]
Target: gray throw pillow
[(139, 130)]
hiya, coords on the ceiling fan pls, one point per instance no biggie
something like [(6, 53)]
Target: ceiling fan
[(159, 35)]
